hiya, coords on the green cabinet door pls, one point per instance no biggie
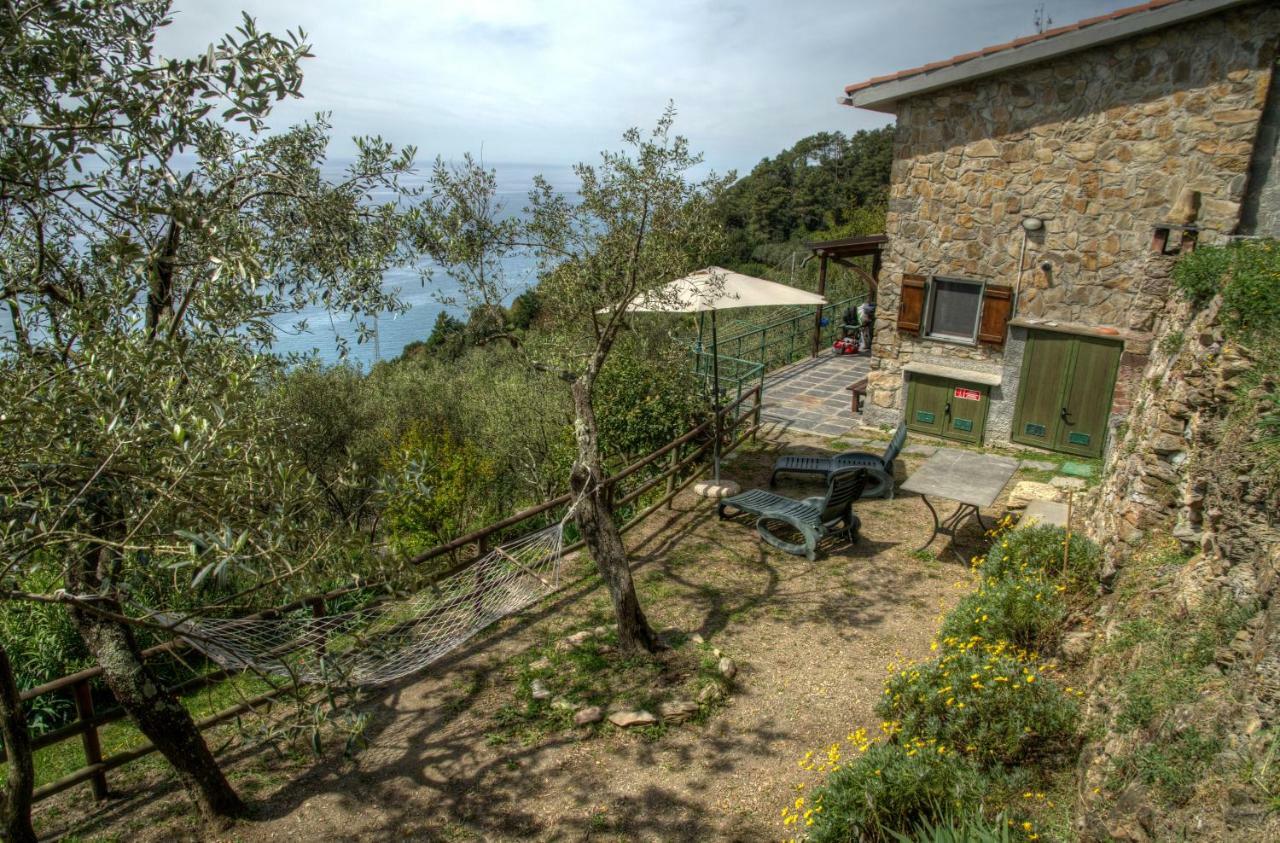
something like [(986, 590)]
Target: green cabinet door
[(1044, 366), (966, 411), (1064, 395), (1086, 402), (926, 404), (947, 408)]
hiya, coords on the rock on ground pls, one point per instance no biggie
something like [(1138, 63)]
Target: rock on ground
[(628, 719)]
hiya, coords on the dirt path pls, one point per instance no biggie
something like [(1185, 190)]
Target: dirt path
[(812, 640)]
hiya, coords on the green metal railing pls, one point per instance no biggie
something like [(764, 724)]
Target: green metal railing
[(736, 375), (752, 354)]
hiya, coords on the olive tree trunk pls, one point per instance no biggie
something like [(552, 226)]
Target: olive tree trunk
[(154, 709), (15, 811), (594, 517)]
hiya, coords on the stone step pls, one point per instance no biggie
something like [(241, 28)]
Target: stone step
[(1052, 513)]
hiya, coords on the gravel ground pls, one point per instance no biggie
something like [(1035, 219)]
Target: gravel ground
[(812, 640)]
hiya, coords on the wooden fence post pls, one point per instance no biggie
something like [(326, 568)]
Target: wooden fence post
[(672, 460), (89, 737), (755, 421), (318, 612)]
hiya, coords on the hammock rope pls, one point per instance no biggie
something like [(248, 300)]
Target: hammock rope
[(393, 639)]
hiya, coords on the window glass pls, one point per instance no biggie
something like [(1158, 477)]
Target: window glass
[(953, 313)]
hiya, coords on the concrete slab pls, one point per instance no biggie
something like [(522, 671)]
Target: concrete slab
[(1074, 484), (1043, 512), (1039, 465), (1028, 490)]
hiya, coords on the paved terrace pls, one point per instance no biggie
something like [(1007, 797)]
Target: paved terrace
[(811, 396)]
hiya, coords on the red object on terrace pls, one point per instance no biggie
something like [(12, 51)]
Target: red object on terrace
[(1009, 45)]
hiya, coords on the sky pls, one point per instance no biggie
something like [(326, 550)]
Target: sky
[(556, 81)]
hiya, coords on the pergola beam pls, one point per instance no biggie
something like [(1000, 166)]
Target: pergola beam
[(841, 251)]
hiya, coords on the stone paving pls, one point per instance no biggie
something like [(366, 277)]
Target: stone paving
[(812, 396)]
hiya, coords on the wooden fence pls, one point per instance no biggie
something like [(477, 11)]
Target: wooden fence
[(684, 457)]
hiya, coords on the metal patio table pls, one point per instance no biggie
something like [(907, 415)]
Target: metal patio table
[(971, 480)]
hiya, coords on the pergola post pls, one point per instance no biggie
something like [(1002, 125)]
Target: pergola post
[(874, 289), (817, 314)]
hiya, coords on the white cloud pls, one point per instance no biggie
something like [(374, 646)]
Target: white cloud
[(554, 81)]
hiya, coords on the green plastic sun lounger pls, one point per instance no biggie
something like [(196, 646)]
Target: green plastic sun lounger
[(879, 468), (814, 517)]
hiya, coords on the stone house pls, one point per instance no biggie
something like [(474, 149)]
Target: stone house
[(1040, 192)]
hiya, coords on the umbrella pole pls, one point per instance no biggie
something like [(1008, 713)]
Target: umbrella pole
[(715, 396)]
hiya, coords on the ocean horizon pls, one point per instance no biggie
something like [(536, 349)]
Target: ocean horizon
[(425, 301)]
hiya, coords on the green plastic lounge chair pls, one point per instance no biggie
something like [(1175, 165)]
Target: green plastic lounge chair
[(880, 468), (814, 517)]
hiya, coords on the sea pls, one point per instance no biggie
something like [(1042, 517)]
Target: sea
[(425, 300)]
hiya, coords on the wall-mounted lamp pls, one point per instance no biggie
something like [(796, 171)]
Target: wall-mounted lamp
[(1032, 223)]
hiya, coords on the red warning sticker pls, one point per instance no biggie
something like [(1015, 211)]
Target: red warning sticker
[(968, 394)]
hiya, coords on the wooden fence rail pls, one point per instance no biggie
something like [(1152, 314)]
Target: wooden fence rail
[(738, 424)]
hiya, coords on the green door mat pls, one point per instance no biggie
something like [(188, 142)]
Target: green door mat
[(1078, 469)]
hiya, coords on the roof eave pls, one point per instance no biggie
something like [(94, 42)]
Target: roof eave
[(885, 96)]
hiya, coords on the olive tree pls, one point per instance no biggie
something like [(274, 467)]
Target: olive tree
[(151, 232), (638, 221)]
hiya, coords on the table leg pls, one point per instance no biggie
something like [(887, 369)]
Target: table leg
[(936, 524)]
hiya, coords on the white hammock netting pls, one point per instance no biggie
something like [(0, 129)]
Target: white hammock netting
[(391, 640)]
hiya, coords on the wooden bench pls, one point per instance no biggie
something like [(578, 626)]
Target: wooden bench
[(859, 390)]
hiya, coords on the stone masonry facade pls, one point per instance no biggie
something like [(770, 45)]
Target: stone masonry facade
[(1098, 144)]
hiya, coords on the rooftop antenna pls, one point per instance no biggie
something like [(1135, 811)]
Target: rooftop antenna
[(1043, 21)]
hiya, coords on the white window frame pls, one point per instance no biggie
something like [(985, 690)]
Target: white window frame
[(930, 298)]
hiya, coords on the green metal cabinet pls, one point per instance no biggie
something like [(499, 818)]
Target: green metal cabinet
[(1064, 395), (948, 408)]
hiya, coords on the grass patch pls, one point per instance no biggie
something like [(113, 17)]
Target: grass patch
[(64, 758), (595, 673), (1159, 659)]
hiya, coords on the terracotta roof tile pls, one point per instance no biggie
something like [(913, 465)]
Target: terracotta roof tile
[(1010, 45)]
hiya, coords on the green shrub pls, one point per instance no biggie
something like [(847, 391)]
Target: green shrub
[(1037, 551), (1246, 272), (962, 828), (988, 701), (1028, 612), (892, 787)]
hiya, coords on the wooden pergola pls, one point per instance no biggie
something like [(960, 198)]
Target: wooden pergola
[(842, 251)]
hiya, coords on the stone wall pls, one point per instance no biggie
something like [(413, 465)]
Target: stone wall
[(1098, 144), (1188, 465)]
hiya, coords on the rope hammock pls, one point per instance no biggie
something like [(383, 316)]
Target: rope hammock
[(383, 643)]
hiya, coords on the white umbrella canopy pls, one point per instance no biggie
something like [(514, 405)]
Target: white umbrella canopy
[(715, 288), (710, 290)]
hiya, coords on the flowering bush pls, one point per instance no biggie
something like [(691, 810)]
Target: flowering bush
[(888, 788), (988, 702), (961, 723), (1027, 612), (1038, 551)]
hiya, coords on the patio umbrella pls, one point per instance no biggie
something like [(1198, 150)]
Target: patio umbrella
[(713, 289)]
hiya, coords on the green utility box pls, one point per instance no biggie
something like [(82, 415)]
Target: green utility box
[(948, 408)]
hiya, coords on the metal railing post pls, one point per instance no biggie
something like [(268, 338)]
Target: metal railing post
[(89, 737)]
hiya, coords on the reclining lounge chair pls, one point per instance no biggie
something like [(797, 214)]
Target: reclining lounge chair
[(814, 517), (880, 468)]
